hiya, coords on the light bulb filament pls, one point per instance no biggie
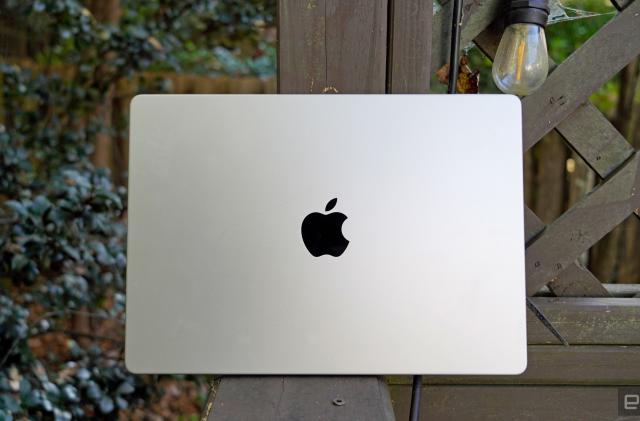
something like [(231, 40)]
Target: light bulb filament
[(521, 48)]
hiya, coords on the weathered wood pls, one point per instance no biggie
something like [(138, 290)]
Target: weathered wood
[(533, 225), (551, 156), (409, 55), (614, 290), (509, 403), (583, 225), (595, 139), (577, 281), (587, 321), (329, 46), (575, 79), (301, 47), (559, 365), (301, 398)]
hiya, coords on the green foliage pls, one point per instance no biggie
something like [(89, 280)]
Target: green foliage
[(62, 221)]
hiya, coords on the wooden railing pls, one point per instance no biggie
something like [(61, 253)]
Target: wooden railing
[(377, 46)]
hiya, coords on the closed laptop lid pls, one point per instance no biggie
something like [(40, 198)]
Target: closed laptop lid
[(326, 234)]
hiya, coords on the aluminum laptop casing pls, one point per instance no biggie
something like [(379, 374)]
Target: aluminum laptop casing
[(219, 279)]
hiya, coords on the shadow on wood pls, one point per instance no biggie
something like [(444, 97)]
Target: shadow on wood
[(281, 398)]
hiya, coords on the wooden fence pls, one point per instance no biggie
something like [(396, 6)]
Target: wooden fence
[(381, 46)]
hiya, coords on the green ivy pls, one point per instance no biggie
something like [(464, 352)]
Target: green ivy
[(62, 221)]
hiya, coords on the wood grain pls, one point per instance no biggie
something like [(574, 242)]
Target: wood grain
[(595, 139), (510, 403), (328, 46), (585, 321), (573, 281), (577, 281), (559, 365), (409, 54), (279, 398)]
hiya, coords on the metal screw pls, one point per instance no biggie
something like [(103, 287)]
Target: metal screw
[(338, 402)]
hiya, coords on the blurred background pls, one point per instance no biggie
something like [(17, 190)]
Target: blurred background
[(68, 69)]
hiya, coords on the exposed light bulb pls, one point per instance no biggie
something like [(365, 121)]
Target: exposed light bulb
[(521, 63)]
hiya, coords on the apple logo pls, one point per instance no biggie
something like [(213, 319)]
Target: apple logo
[(322, 234)]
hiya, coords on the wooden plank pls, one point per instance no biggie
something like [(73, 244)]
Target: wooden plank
[(595, 139), (587, 321), (302, 398), (301, 47), (577, 281), (573, 281), (583, 225), (533, 226), (356, 46), (328, 46), (575, 79), (614, 290), (410, 53), (559, 365), (509, 403)]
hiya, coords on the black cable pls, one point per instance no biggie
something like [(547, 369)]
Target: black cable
[(454, 54), (416, 388)]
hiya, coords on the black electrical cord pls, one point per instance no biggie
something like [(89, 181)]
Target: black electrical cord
[(454, 64), (416, 388), (454, 53)]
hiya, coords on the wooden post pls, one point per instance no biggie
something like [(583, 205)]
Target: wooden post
[(334, 47)]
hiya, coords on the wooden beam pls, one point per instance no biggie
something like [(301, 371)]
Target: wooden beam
[(409, 55), (595, 139), (577, 281), (614, 290), (559, 365), (302, 398), (583, 225), (508, 403), (332, 46), (587, 321), (573, 281)]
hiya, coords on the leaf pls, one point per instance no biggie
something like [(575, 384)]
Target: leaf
[(331, 204), (106, 404), (19, 261), (468, 79), (70, 393), (125, 388)]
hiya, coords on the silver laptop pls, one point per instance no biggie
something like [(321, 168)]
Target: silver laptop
[(326, 234)]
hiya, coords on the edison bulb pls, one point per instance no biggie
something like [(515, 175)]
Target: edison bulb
[(521, 64)]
